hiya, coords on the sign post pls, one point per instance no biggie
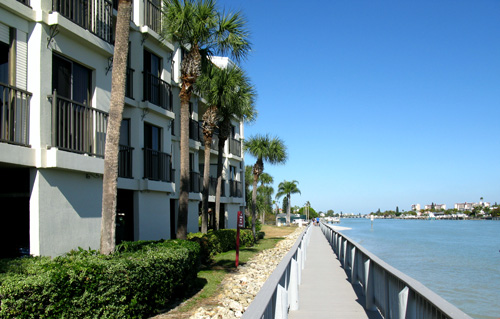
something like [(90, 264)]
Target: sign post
[(240, 224)]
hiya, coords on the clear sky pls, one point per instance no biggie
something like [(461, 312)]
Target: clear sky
[(380, 103)]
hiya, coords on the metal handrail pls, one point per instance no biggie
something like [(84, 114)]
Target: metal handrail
[(386, 289), (280, 291), (77, 127), (157, 91), (14, 115)]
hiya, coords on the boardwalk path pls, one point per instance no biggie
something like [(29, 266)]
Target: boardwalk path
[(325, 291)]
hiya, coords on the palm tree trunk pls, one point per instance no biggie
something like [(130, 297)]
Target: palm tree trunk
[(184, 169), (119, 74), (288, 209), (219, 220), (254, 202), (206, 180), (190, 71)]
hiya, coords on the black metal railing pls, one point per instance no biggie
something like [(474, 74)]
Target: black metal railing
[(157, 91), (93, 15), (195, 130), (25, 2), (125, 161), (129, 83), (235, 147), (157, 166), (14, 115), (77, 127), (235, 189), (152, 15), (212, 187), (195, 182)]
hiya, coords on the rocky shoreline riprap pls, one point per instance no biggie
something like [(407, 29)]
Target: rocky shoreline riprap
[(240, 288)]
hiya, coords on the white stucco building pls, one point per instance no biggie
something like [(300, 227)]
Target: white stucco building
[(55, 82)]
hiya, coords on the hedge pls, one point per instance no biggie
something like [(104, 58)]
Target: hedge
[(136, 282), (216, 242)]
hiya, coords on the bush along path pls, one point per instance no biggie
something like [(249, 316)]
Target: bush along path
[(240, 287)]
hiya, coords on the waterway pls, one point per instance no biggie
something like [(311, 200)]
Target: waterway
[(457, 259)]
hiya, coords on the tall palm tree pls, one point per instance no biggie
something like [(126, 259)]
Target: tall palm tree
[(242, 108), (201, 30), (288, 188), (264, 148), (118, 79), (265, 191), (220, 87)]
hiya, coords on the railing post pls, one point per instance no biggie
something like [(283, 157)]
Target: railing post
[(54, 118), (403, 302), (354, 278), (368, 285), (293, 286)]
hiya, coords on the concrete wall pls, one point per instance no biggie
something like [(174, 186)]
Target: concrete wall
[(153, 217), (65, 211)]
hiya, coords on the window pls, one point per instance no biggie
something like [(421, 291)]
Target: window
[(152, 137), (4, 63), (71, 80), (125, 132), (152, 64), (232, 172)]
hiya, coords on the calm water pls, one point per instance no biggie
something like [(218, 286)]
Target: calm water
[(459, 260)]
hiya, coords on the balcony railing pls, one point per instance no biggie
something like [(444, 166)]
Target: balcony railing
[(77, 127), (157, 166), (129, 83), (125, 161), (157, 91), (93, 15), (195, 131), (235, 189), (212, 187), (153, 15), (195, 182), (14, 115), (235, 147), (25, 2)]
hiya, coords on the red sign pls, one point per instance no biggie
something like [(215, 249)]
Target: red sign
[(241, 220)]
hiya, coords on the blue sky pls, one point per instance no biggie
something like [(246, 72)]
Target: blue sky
[(380, 103)]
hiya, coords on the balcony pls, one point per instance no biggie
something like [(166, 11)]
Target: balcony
[(93, 15), (77, 127), (195, 131), (212, 187), (235, 189), (129, 83), (14, 115), (235, 147), (152, 15), (195, 182), (25, 2), (157, 91), (157, 166), (125, 161)]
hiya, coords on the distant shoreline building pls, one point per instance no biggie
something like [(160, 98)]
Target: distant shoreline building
[(435, 206)]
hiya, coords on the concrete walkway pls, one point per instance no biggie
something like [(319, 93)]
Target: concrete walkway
[(325, 291)]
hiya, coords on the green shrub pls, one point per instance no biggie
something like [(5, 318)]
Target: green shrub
[(216, 242), (134, 283)]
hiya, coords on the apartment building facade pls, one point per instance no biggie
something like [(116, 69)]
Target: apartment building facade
[(55, 83)]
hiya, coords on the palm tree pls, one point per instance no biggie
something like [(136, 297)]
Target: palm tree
[(220, 87), (265, 191), (287, 188), (118, 79), (201, 30), (264, 148), (240, 107)]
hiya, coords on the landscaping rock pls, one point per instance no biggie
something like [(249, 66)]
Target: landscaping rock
[(241, 287)]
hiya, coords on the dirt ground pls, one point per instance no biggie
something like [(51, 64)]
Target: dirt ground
[(275, 231)]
